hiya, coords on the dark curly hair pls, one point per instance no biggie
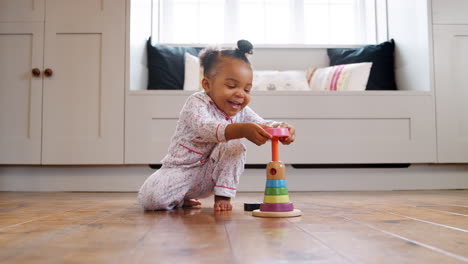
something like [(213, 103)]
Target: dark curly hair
[(210, 57)]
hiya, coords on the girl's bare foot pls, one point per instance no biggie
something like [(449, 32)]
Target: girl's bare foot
[(191, 203), (222, 203)]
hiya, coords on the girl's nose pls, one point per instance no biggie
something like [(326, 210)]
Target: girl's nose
[(240, 93)]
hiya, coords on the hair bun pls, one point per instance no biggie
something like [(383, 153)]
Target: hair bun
[(245, 46)]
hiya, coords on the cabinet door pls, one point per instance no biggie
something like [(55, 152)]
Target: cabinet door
[(451, 71), (21, 10), (449, 11), (21, 50), (83, 118)]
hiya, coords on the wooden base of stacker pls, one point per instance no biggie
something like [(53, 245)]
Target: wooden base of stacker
[(295, 212)]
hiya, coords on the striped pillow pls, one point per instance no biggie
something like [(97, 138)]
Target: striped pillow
[(349, 77)]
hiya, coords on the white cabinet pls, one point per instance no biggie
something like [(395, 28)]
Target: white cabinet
[(21, 50), (83, 111), (83, 95), (450, 38), (450, 12), (22, 11), (451, 71)]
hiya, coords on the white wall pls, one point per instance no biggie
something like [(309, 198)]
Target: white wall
[(409, 24), (139, 31)]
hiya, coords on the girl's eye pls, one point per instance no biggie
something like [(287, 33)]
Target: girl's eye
[(247, 90), (231, 86)]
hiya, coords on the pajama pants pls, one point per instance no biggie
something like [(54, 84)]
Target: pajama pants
[(168, 187)]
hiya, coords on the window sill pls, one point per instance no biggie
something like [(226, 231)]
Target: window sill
[(289, 93), (272, 46)]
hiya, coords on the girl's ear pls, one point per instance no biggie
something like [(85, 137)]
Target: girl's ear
[(206, 84)]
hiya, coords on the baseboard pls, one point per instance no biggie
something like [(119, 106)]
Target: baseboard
[(130, 178), (322, 166), (350, 166), (247, 166)]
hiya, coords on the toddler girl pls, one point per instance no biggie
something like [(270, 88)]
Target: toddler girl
[(206, 155)]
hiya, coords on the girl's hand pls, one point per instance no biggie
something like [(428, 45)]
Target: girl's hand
[(255, 133), (292, 134)]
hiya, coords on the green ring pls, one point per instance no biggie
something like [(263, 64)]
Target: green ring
[(276, 191)]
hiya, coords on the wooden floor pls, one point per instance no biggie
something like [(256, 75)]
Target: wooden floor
[(337, 227)]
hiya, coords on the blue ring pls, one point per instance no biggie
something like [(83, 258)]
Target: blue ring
[(276, 183)]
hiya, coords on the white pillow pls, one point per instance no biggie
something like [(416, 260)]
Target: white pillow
[(348, 77), (193, 73), (279, 81)]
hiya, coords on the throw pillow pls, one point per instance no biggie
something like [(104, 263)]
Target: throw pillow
[(382, 74), (349, 77), (166, 66), (193, 73), (279, 81)]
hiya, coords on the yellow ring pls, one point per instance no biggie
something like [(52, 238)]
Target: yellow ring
[(276, 199)]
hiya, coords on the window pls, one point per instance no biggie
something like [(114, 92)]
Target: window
[(309, 22)]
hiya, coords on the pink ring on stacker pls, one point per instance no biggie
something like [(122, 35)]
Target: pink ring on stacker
[(278, 131), (276, 207)]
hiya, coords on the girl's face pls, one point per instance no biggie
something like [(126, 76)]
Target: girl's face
[(230, 86)]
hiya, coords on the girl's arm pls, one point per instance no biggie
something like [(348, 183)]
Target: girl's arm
[(251, 131)]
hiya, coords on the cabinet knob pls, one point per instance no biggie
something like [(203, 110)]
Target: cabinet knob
[(36, 72), (48, 72)]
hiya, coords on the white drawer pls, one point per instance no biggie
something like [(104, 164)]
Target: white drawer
[(343, 128), (150, 121)]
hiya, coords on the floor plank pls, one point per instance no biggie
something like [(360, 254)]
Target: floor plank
[(19, 240), (264, 240), (455, 210), (457, 222), (100, 241), (445, 239), (337, 227), (362, 244), (183, 237)]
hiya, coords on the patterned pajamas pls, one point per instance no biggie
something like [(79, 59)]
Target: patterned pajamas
[(167, 188), (200, 161)]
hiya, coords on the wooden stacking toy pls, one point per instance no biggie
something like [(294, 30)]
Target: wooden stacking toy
[(276, 199)]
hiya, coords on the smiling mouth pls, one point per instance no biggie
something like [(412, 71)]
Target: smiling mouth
[(235, 105)]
